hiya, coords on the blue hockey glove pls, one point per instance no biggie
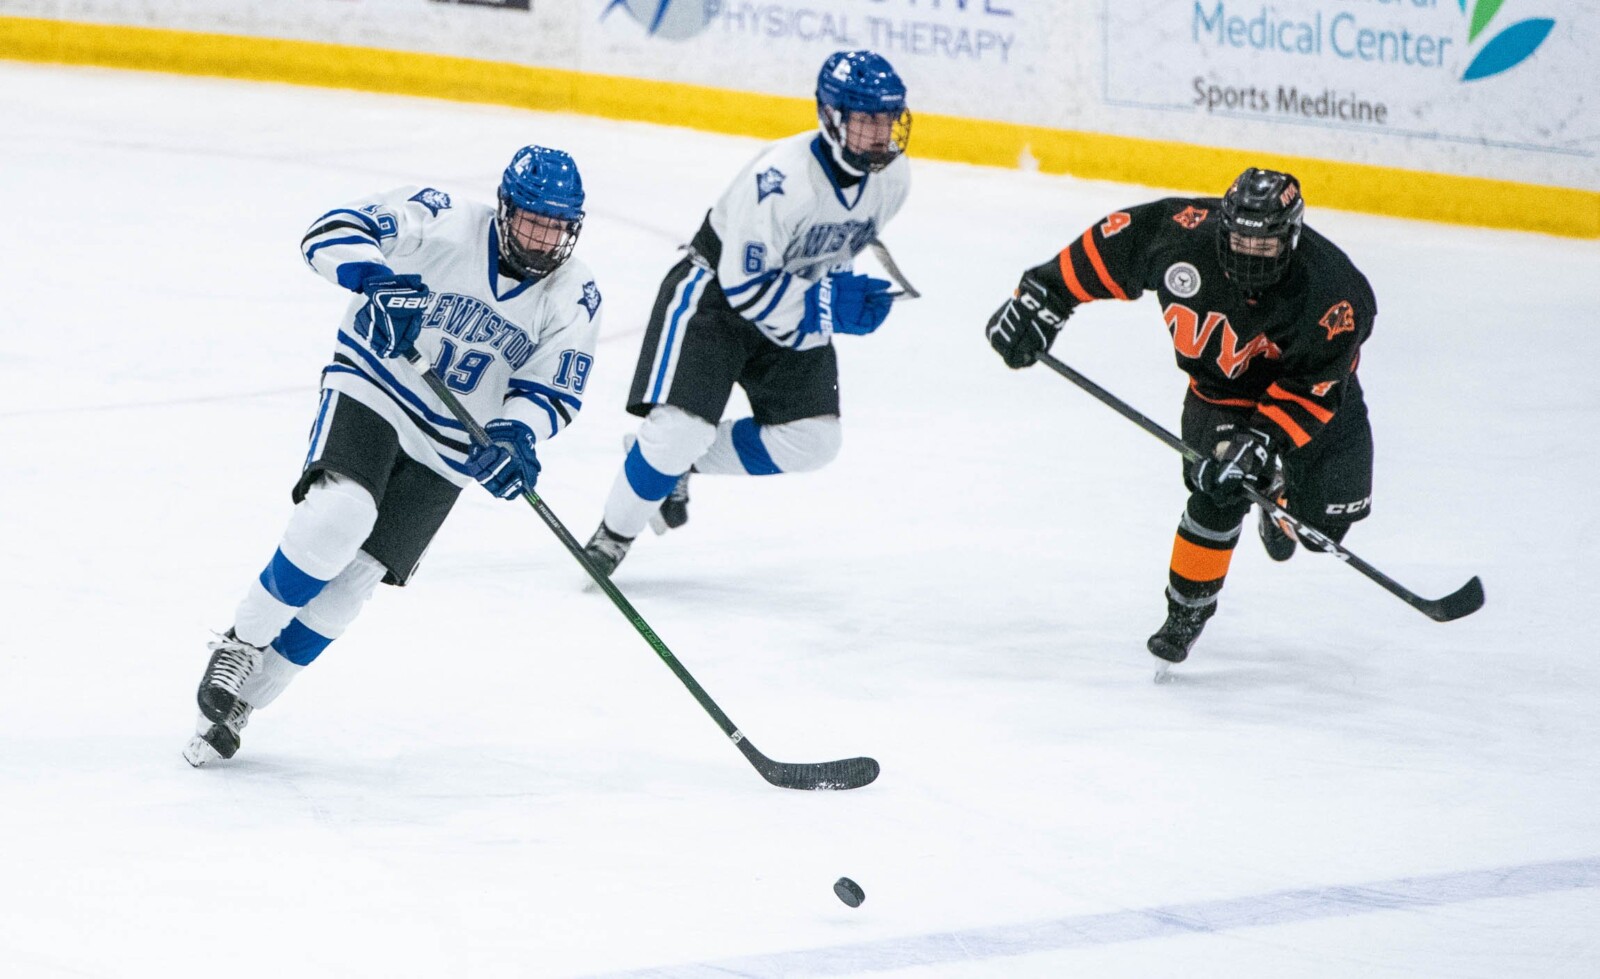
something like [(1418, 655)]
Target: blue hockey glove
[(1246, 458), (860, 302), (508, 465), (392, 319), (1027, 324)]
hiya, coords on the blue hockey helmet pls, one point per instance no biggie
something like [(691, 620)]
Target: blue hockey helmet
[(541, 210), (1259, 227), (861, 105)]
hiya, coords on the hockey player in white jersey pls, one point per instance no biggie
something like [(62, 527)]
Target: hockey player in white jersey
[(493, 300), (766, 285)]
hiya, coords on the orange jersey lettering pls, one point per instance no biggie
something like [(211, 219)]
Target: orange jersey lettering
[(1115, 223), (1191, 338)]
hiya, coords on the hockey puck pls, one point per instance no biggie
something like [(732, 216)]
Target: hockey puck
[(849, 892)]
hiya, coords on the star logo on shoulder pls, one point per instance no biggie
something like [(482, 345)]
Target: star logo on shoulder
[(768, 183), (591, 298), (433, 200)]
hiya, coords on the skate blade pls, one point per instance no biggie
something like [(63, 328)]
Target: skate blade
[(658, 524), (1164, 672), (199, 753)]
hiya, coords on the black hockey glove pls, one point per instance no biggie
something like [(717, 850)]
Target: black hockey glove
[(1246, 458), (392, 319), (1027, 324), (508, 465)]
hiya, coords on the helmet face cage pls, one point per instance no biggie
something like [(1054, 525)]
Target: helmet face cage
[(541, 210), (1262, 215), (534, 243), (861, 105)]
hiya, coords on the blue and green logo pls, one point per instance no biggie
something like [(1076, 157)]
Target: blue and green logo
[(1507, 49)]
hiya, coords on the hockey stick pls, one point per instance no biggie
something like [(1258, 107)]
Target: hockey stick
[(1463, 601), (907, 290), (846, 773)]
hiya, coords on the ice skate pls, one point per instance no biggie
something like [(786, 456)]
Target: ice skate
[(232, 662), (216, 740), (606, 550), (1276, 536), (1171, 643), (674, 512)]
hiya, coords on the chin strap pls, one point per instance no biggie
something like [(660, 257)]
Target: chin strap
[(833, 124)]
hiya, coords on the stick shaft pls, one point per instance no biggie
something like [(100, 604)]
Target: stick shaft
[(844, 774), (1463, 601)]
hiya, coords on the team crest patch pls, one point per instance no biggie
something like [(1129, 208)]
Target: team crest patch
[(433, 200), (1340, 318), (768, 183), (591, 298), (1191, 217), (1183, 279)]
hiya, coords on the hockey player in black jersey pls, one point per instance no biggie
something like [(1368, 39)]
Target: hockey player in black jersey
[(1267, 318)]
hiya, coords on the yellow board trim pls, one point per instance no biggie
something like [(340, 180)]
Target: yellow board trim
[(1096, 156)]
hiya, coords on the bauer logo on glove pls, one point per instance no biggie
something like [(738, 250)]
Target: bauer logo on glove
[(392, 319)]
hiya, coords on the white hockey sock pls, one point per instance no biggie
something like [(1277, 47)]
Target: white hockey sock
[(263, 686), (331, 612), (670, 440), (324, 533), (744, 448)]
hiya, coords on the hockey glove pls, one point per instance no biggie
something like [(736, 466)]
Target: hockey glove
[(508, 465), (1246, 458), (848, 303), (860, 302), (1027, 324), (392, 319)]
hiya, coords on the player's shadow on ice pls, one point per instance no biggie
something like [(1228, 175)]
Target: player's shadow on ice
[(714, 592), (1269, 681)]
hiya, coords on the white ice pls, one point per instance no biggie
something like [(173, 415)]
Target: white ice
[(493, 774)]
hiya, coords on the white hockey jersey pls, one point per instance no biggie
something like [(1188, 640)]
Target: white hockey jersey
[(505, 347), (783, 224)]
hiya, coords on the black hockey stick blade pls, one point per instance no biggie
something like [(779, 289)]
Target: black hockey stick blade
[(1463, 601), (817, 776)]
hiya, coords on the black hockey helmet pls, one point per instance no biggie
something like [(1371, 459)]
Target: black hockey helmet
[(1262, 214)]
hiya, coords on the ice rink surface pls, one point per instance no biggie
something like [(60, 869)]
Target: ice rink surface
[(493, 775)]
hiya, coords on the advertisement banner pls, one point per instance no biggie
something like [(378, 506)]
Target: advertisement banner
[(1508, 83), (977, 58), (1502, 92), (517, 31)]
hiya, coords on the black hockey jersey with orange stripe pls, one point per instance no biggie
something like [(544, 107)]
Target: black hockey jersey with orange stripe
[(1286, 351)]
